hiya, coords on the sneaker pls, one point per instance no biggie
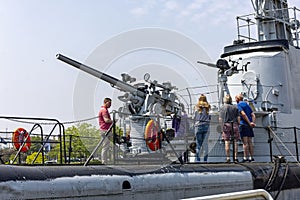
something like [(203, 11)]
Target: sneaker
[(251, 160), (236, 160), (244, 160), (227, 160)]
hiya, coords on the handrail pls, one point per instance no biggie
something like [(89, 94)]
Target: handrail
[(281, 141), (44, 142), (25, 140), (108, 131), (36, 123), (248, 194)]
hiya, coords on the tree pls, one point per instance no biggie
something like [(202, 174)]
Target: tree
[(30, 158), (79, 141), (10, 153), (7, 152), (35, 144)]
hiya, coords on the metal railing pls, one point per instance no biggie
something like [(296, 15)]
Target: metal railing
[(131, 146), (35, 124), (246, 195), (247, 26)]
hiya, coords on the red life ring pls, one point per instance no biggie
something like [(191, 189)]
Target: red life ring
[(18, 138), (152, 135)]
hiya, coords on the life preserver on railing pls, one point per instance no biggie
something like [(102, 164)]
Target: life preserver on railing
[(153, 136), (19, 136)]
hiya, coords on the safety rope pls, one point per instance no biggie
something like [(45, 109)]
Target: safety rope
[(53, 123), (273, 175), (277, 165), (283, 181), (282, 143)]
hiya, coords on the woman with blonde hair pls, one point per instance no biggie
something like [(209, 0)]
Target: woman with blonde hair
[(202, 120)]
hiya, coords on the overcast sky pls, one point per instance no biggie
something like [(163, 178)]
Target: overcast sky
[(34, 83)]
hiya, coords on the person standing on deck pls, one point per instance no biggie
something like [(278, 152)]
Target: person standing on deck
[(229, 120), (105, 122), (202, 120), (247, 123)]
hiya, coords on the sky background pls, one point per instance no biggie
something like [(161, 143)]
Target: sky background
[(33, 83)]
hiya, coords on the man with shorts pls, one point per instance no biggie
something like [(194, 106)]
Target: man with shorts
[(229, 122), (247, 122)]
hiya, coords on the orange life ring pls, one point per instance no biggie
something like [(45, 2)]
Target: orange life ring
[(18, 138), (152, 135)]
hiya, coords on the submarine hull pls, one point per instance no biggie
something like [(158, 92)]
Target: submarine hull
[(146, 182)]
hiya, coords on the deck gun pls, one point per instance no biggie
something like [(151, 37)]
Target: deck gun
[(139, 98)]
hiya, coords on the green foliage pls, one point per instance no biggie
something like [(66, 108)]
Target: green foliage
[(89, 136), (95, 162), (8, 154), (11, 159), (35, 144), (119, 131), (79, 140), (39, 159), (21, 158)]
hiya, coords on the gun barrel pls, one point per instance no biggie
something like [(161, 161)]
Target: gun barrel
[(208, 64), (113, 81)]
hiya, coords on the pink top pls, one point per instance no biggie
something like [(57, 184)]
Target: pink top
[(103, 125)]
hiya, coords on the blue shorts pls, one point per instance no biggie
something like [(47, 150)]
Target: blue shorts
[(246, 131)]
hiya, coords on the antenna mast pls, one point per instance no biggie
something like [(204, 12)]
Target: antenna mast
[(273, 21)]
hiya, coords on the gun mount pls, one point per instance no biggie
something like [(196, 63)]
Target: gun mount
[(139, 98), (225, 71)]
